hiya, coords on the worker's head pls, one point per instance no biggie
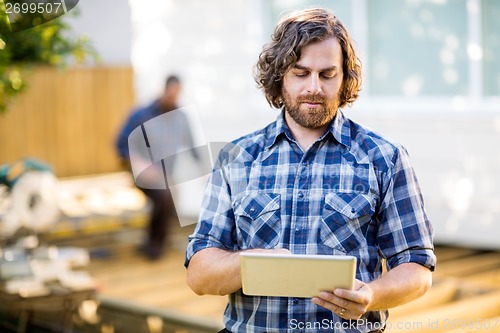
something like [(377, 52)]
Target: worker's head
[(295, 32), (168, 99)]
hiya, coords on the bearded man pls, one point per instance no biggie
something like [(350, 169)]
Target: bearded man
[(313, 182)]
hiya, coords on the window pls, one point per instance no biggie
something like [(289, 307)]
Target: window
[(417, 47), (491, 47), (341, 8)]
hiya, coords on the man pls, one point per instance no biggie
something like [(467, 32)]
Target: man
[(175, 133), (313, 182)]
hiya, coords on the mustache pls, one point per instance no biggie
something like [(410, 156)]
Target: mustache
[(311, 99)]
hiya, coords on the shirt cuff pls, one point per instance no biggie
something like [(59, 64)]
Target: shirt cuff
[(424, 257), (197, 244)]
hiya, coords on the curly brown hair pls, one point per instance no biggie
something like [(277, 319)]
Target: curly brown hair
[(293, 32)]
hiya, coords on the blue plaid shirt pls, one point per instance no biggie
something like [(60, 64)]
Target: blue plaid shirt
[(352, 192)]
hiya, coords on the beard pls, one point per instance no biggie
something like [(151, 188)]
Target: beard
[(311, 118)]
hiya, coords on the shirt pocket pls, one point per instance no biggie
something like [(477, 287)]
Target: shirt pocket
[(258, 221), (343, 220)]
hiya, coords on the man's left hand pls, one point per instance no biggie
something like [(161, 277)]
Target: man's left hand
[(348, 304)]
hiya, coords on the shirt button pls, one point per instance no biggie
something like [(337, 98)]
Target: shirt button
[(295, 300), (252, 210), (353, 210), (297, 230), (301, 195)]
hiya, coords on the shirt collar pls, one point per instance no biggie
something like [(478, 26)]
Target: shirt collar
[(339, 128), (279, 129)]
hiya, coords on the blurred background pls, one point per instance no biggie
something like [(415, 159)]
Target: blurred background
[(431, 81)]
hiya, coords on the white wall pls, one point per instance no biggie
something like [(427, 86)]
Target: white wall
[(108, 25)]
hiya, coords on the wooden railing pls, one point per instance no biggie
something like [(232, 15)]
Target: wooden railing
[(69, 119)]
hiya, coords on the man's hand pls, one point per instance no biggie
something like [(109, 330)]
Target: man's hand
[(348, 304), (400, 285)]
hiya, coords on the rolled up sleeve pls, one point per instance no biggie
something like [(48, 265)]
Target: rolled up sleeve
[(405, 234)]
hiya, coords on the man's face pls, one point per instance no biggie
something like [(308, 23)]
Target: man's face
[(311, 87), (170, 95)]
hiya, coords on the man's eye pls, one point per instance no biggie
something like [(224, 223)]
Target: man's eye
[(301, 74), (328, 75)]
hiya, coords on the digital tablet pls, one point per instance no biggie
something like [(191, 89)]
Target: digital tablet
[(294, 275)]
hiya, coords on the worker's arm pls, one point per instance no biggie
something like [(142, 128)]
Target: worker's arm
[(214, 271)]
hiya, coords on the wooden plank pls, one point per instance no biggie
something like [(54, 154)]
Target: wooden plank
[(159, 284), (490, 278), (447, 253), (167, 297), (469, 265), (128, 308), (141, 284), (205, 306), (440, 320)]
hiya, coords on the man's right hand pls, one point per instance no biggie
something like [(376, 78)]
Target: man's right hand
[(214, 271)]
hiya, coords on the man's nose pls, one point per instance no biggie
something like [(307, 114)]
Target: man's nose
[(314, 86)]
